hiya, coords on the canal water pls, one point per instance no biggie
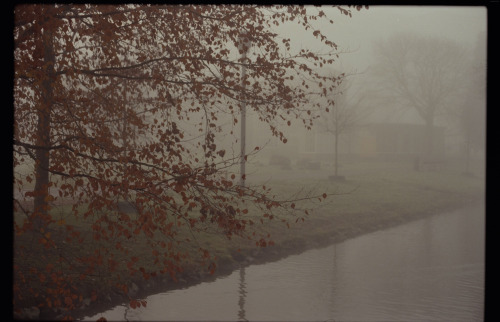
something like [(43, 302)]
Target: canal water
[(427, 270)]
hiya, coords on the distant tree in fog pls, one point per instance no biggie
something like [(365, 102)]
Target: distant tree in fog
[(420, 73), (343, 109), (472, 108)]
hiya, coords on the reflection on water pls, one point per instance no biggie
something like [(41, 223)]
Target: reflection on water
[(431, 269), (242, 292)]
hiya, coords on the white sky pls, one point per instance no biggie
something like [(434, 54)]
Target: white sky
[(357, 33)]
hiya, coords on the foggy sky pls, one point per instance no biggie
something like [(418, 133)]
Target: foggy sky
[(357, 33)]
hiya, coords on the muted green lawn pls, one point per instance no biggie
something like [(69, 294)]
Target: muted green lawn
[(375, 195)]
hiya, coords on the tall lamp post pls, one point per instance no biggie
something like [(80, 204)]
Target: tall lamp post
[(244, 45)]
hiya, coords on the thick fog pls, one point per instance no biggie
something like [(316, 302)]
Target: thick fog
[(396, 153), (445, 63)]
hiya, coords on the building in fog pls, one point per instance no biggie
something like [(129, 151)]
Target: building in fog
[(376, 140), (388, 141)]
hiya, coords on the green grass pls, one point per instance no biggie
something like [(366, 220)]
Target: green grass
[(375, 195)]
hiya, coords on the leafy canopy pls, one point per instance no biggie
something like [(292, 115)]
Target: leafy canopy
[(117, 114)]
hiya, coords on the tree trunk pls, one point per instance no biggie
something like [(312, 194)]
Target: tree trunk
[(429, 137), (42, 161), (466, 118), (467, 156), (336, 154)]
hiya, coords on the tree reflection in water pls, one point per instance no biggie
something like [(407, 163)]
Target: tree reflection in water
[(242, 293)]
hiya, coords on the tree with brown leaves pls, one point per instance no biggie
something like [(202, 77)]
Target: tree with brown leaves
[(116, 114)]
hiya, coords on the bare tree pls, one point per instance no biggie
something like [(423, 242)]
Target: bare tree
[(423, 74), (471, 112), (344, 110)]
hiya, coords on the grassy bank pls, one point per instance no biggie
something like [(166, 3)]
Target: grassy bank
[(375, 195)]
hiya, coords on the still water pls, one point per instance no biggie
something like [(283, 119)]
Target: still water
[(428, 270)]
